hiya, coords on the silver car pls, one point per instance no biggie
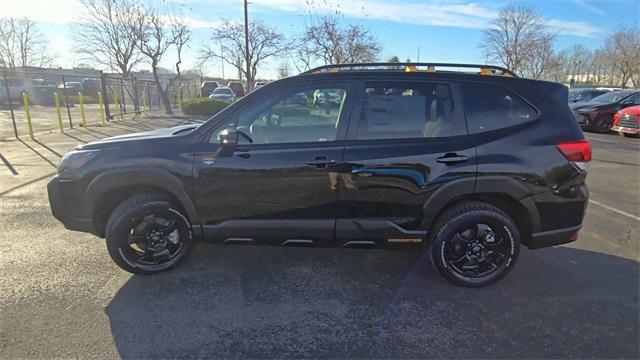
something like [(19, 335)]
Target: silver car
[(223, 93)]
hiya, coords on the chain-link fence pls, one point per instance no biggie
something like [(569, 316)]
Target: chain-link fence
[(56, 99)]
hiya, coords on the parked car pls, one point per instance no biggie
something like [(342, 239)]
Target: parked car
[(626, 122), (320, 95), (258, 85), (70, 87), (237, 88), (584, 95), (90, 86), (207, 87), (299, 99), (464, 167), (597, 114), (223, 93)]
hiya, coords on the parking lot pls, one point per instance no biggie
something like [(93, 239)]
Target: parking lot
[(61, 296)]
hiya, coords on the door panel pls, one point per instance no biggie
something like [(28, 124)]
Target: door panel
[(269, 195), (384, 187)]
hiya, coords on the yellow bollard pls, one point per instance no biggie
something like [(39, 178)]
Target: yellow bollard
[(102, 121), (56, 97), (25, 101), (84, 116), (119, 106)]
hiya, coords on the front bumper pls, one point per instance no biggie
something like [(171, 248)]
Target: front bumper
[(583, 119), (67, 209), (626, 130)]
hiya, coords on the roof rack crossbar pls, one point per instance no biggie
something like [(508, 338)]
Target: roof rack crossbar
[(404, 64)]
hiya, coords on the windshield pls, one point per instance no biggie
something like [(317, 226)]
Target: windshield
[(611, 97), (224, 91)]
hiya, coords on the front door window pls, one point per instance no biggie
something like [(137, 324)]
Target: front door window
[(301, 116)]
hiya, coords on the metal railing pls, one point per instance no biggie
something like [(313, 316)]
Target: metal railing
[(36, 100)]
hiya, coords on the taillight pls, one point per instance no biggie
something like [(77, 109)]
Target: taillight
[(576, 151)]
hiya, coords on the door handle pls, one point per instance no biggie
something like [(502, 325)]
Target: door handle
[(320, 161), (451, 158)]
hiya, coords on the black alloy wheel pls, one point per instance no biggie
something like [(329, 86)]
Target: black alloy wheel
[(147, 234), (477, 252), (474, 244)]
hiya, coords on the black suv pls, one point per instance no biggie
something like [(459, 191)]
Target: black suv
[(469, 165)]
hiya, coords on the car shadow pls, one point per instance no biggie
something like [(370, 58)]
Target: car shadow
[(270, 302)]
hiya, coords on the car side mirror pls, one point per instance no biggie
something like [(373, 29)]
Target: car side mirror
[(228, 141)]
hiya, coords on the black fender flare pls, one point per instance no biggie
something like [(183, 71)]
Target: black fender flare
[(163, 179), (458, 189)]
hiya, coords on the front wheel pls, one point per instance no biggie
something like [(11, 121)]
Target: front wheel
[(147, 234), (603, 124), (474, 244)]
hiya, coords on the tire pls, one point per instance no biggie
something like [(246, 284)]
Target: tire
[(469, 232), (147, 234), (603, 124)]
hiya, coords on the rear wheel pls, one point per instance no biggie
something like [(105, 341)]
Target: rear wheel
[(147, 234), (474, 244)]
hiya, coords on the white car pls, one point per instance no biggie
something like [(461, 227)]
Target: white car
[(258, 85)]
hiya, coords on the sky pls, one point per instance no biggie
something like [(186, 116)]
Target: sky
[(440, 30)]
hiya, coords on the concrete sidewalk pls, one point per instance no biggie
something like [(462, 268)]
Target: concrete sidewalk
[(24, 161)]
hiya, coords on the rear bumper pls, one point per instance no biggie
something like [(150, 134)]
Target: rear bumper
[(553, 237), (67, 209)]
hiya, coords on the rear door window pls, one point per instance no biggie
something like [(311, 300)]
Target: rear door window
[(491, 107), (392, 110)]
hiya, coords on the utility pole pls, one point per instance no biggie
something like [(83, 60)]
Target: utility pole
[(246, 47), (418, 54)]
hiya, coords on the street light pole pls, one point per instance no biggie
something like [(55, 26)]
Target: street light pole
[(246, 46)]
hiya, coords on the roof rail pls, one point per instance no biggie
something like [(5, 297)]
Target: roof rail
[(411, 67)]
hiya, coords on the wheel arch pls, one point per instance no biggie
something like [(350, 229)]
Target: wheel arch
[(107, 191), (503, 192)]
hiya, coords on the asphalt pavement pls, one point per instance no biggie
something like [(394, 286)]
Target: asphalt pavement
[(61, 296)]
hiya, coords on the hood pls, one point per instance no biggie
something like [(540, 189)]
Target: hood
[(590, 105), (146, 135)]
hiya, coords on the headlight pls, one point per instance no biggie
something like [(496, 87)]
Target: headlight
[(75, 159)]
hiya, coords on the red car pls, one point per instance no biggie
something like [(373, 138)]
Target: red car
[(627, 121)]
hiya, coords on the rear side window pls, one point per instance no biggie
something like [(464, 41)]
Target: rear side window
[(392, 110), (490, 107)]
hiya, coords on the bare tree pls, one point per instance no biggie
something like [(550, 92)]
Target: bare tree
[(334, 43), (515, 36), (302, 55), (284, 70), (264, 42), (103, 36), (543, 60), (156, 33), (623, 50), (22, 44)]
